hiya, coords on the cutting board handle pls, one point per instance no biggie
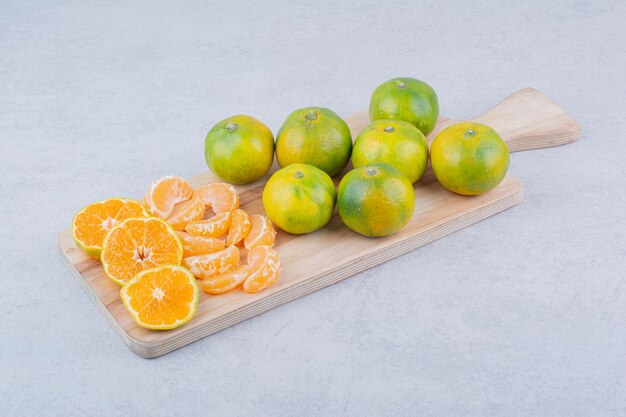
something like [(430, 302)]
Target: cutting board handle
[(529, 120), (525, 120)]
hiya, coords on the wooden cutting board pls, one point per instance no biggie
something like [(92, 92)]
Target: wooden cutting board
[(525, 120)]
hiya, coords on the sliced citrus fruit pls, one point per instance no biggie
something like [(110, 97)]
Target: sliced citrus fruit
[(239, 227), (210, 264), (219, 196), (165, 193), (137, 244), (198, 245), (219, 284), (185, 212), (262, 233), (161, 298), (265, 269), (216, 226), (91, 224)]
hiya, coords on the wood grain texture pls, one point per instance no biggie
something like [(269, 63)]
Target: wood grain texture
[(526, 120)]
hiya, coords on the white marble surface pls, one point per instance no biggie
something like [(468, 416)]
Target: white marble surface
[(521, 315)]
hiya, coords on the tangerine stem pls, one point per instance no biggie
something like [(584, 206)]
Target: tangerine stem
[(371, 171)]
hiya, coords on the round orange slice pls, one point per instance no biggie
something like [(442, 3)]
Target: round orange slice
[(219, 284), (265, 269), (210, 264), (239, 227), (262, 233), (219, 196), (198, 245), (161, 298), (165, 193), (185, 212), (137, 244), (216, 226), (91, 224)]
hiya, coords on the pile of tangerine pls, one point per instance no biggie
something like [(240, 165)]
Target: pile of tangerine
[(157, 249)]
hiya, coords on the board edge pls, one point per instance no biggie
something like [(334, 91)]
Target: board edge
[(152, 349)]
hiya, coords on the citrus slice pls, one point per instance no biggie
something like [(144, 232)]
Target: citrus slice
[(239, 227), (262, 233), (219, 284), (210, 264), (161, 298), (219, 196), (185, 212), (137, 244), (198, 245), (265, 269), (165, 193), (216, 226), (91, 224)]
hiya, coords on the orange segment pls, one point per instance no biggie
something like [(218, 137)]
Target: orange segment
[(239, 227), (220, 196), (165, 193), (198, 245), (216, 226), (137, 244), (262, 233), (91, 224), (210, 264), (219, 284), (185, 212), (265, 269), (257, 256), (161, 298)]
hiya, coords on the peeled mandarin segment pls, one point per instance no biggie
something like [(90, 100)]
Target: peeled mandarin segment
[(198, 245), (265, 269), (221, 196), (262, 278), (258, 254), (161, 298), (91, 224), (211, 264), (165, 193), (239, 227), (219, 284), (137, 244), (216, 226), (262, 233), (185, 212)]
